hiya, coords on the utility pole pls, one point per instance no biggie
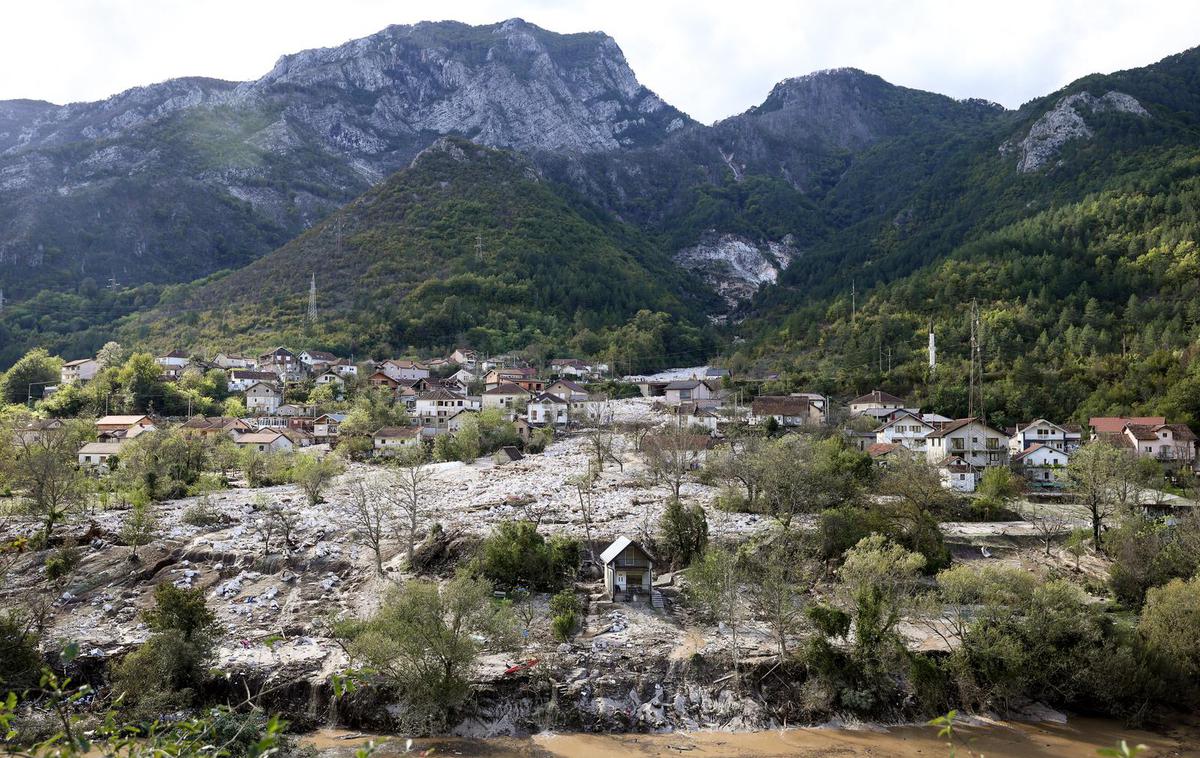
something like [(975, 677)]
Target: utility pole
[(312, 300), (1, 300), (932, 348), (853, 301), (976, 364), (971, 380), (479, 248)]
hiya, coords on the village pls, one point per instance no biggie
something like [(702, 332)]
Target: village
[(439, 394), (581, 456)]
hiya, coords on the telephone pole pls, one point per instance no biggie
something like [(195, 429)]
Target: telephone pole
[(932, 348), (312, 300), (976, 380), (853, 301), (479, 248)]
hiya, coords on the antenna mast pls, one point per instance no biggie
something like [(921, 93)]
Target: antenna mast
[(312, 299)]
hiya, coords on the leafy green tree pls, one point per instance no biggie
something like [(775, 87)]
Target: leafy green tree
[(1097, 472), (715, 584), (29, 376), (1170, 624), (683, 532), (516, 555), (140, 383), (425, 640), (42, 465), (165, 671), (313, 473), (140, 525)]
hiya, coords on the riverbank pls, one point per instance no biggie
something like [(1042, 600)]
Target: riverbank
[(1077, 738)]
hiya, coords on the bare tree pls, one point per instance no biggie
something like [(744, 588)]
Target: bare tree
[(670, 454), (600, 435), (371, 514), (739, 466), (777, 592), (1048, 522), (412, 475), (716, 583), (583, 489)]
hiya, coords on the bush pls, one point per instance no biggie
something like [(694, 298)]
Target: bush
[(161, 675), (62, 562), (516, 555), (19, 659), (684, 532), (562, 625)]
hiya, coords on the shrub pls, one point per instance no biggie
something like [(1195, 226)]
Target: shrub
[(62, 562), (684, 532), (517, 555), (19, 659)]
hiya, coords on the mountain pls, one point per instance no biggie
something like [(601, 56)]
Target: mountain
[(173, 181), (467, 245)]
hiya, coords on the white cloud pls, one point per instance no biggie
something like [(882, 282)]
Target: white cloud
[(711, 59)]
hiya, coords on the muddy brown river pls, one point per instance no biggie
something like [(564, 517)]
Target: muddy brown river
[(1080, 737)]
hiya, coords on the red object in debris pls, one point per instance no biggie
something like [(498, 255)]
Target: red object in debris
[(520, 667)]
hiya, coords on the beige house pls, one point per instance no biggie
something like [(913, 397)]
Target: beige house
[(875, 400), (95, 455), (628, 570), (390, 440), (787, 410), (262, 397), (81, 371), (506, 396), (547, 409), (266, 442)]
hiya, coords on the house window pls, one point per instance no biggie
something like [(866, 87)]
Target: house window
[(1148, 449)]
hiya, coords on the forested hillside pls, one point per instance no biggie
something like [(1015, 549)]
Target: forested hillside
[(468, 246)]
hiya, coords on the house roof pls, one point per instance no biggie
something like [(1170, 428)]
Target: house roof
[(618, 546), (683, 384), (568, 384), (780, 405), (78, 362), (211, 422), (120, 420), (260, 438), (546, 397), (397, 432), (877, 396), (321, 355), (1112, 424), (690, 408), (440, 393), (957, 424), (510, 452), (100, 448), (175, 354), (1181, 431), (1142, 432), (956, 464), (880, 449), (1034, 448), (334, 417), (904, 416), (507, 388), (246, 373), (269, 386), (572, 362)]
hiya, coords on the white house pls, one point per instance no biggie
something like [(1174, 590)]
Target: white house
[(262, 397), (957, 474), (265, 441), (326, 427), (572, 367), (969, 439), (692, 415), (175, 359), (455, 421), (344, 368), (390, 440), (283, 362), (310, 357), (689, 390), (547, 409), (331, 377), (434, 407), (464, 357), (404, 371), (234, 360), (1043, 432), (905, 429), (82, 370), (241, 379), (565, 389), (95, 455), (875, 400), (1042, 464), (1169, 443), (507, 395)]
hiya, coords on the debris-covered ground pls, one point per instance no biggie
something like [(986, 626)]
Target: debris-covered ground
[(631, 665)]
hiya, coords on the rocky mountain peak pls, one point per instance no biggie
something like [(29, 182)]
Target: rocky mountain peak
[(1066, 122)]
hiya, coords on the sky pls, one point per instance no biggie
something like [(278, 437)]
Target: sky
[(711, 59)]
